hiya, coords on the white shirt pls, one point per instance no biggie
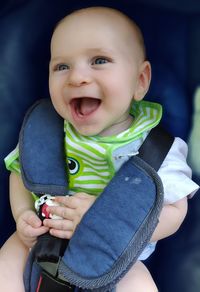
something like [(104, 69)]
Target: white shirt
[(176, 178), (176, 174)]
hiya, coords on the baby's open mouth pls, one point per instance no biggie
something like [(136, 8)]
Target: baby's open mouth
[(84, 106)]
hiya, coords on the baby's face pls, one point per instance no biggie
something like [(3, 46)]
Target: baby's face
[(94, 74)]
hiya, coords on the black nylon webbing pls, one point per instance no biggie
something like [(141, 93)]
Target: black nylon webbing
[(156, 146)]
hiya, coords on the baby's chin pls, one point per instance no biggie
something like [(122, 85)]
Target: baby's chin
[(87, 131), (102, 129), (96, 132)]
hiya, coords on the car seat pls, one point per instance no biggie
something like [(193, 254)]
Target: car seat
[(172, 36)]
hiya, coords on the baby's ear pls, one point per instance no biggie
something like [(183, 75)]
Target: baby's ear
[(144, 80)]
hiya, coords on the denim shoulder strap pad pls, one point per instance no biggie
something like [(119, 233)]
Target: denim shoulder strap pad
[(115, 230), (41, 148)]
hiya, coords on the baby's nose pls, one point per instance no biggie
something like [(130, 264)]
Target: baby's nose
[(78, 77)]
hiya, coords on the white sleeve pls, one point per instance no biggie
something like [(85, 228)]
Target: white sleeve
[(176, 174)]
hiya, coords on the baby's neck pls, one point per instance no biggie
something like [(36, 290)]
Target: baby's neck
[(118, 127)]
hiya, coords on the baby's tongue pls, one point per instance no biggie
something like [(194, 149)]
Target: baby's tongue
[(88, 105)]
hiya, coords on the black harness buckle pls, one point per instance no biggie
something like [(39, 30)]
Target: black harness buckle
[(48, 251), (52, 284)]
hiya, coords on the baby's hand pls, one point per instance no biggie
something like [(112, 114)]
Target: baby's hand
[(71, 209), (29, 227)]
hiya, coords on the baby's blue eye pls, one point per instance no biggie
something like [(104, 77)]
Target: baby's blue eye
[(62, 67), (100, 61)]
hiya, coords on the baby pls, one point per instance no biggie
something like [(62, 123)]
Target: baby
[(98, 76)]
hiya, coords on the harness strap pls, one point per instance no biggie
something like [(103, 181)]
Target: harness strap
[(48, 249), (156, 146), (41, 147)]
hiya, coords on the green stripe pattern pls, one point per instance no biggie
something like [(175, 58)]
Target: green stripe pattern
[(90, 159), (12, 160)]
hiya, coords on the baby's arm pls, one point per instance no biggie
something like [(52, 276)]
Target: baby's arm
[(170, 219), (28, 225), (14, 252), (20, 198), (71, 210), (178, 185)]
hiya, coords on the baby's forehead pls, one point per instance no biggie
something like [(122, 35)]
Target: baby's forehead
[(102, 20), (102, 17)]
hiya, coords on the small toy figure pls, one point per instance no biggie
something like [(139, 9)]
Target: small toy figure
[(41, 207)]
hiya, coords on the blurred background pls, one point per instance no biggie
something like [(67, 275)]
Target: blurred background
[(172, 35)]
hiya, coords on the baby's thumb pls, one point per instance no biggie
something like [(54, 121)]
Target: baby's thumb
[(35, 221)]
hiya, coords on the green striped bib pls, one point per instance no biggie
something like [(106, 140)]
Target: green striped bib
[(92, 161)]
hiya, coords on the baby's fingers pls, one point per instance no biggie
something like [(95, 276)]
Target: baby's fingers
[(64, 234), (68, 201), (62, 212), (64, 225), (60, 228), (29, 217), (34, 221), (35, 232)]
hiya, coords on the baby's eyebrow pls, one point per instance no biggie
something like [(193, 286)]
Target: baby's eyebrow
[(55, 59), (100, 50)]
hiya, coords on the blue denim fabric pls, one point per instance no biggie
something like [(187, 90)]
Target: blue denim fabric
[(117, 226), (39, 150), (111, 229), (31, 274)]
